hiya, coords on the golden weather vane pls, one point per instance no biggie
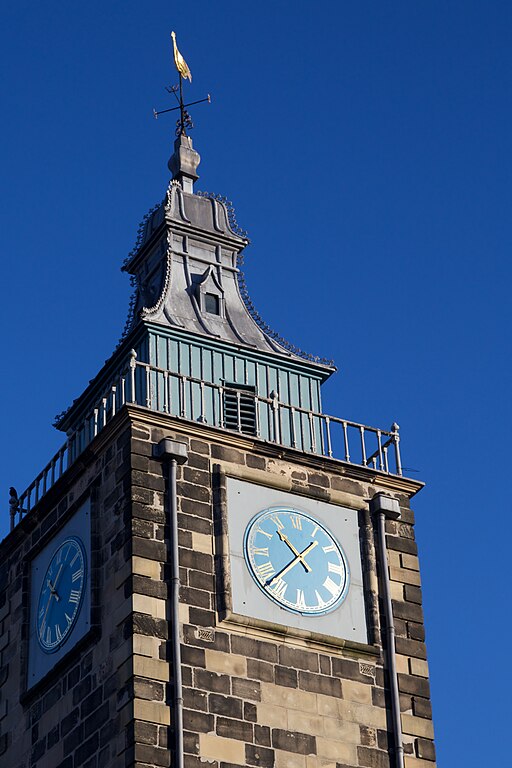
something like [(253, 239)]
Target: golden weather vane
[(184, 72), (181, 64)]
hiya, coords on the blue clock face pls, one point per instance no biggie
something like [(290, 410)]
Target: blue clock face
[(296, 561), (61, 594)]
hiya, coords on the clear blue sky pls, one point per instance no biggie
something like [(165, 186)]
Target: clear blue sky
[(367, 148)]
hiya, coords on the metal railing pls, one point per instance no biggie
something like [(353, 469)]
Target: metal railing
[(203, 402)]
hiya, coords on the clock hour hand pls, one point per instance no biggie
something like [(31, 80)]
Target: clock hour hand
[(290, 565), (298, 554), (53, 587)]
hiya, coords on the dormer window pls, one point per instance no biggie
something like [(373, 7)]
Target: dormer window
[(209, 293), (212, 303)]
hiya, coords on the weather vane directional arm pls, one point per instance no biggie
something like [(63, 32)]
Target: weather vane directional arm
[(185, 121)]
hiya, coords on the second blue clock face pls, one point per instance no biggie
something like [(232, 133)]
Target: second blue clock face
[(61, 594), (296, 561)]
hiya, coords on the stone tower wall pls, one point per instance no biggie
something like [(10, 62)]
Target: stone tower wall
[(78, 715), (252, 697)]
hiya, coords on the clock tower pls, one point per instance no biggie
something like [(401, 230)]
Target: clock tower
[(211, 570)]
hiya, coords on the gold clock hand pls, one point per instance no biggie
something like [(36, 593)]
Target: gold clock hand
[(53, 588), (298, 554), (43, 623), (290, 565)]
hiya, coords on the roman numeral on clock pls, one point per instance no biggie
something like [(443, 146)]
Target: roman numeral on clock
[(260, 551), (265, 570), (331, 586), (279, 588), (74, 596), (77, 575)]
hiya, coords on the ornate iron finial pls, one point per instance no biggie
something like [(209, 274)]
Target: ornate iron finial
[(14, 505)]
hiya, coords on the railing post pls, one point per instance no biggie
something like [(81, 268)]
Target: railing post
[(275, 413), (363, 447), (148, 387), (396, 440), (221, 407), (257, 414), (328, 433), (71, 436), (379, 444), (238, 411), (202, 417), (133, 364), (114, 390), (345, 441), (166, 392), (292, 427), (312, 432), (182, 396)]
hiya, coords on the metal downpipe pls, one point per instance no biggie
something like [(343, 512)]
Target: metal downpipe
[(174, 453), (384, 506)]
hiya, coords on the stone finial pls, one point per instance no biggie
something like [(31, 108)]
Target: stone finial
[(183, 163)]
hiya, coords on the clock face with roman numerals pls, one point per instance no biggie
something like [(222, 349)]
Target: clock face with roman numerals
[(61, 594), (296, 561)]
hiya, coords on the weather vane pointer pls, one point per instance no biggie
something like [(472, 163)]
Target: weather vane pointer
[(184, 72)]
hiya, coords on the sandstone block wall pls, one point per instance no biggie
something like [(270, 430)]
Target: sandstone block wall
[(251, 697), (77, 717)]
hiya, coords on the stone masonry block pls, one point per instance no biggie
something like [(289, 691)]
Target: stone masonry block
[(293, 741), (413, 594), (421, 707), (235, 729), (288, 698), (404, 576), (304, 722), (260, 670), (425, 749), (336, 750), (259, 756), (330, 686), (256, 649), (418, 667), (287, 760), (225, 705), (152, 668), (202, 543), (272, 715), (212, 747), (417, 686), (150, 605), (417, 726), (298, 659), (152, 712), (413, 762), (341, 730), (410, 561), (145, 567), (358, 692)]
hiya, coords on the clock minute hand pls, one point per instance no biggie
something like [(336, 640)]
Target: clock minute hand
[(296, 552), (295, 560)]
